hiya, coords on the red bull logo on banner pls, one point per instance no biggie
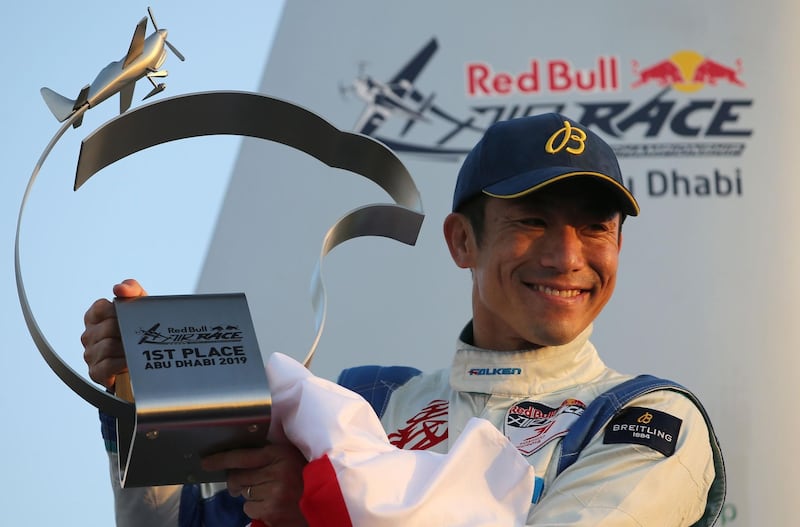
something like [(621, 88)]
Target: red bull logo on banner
[(687, 71)]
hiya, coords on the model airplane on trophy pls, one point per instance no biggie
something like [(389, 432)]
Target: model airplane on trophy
[(144, 58)]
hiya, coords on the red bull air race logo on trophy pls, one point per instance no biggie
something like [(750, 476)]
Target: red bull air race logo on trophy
[(192, 346), (664, 111)]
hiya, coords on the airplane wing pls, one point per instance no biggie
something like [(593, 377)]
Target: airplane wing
[(371, 118), (126, 97), (410, 71), (137, 43)]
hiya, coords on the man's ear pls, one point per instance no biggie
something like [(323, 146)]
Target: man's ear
[(460, 239)]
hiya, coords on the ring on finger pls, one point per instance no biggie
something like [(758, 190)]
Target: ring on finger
[(249, 492)]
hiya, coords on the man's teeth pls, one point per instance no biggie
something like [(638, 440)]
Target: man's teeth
[(563, 293)]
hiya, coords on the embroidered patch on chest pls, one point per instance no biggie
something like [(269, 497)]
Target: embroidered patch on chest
[(425, 430), (644, 426), (530, 425)]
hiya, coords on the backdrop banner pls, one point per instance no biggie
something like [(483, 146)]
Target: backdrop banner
[(699, 102)]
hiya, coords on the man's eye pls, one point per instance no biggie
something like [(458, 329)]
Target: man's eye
[(533, 222), (600, 227)]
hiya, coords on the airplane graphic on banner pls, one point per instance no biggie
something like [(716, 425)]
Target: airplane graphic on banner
[(400, 97)]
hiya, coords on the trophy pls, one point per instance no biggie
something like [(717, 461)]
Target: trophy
[(197, 383)]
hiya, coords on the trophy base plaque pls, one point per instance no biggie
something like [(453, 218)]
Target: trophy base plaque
[(197, 382)]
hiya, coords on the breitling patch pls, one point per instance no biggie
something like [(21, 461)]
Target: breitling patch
[(531, 425), (644, 426)]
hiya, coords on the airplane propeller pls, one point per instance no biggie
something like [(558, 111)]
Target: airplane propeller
[(170, 46), (344, 90)]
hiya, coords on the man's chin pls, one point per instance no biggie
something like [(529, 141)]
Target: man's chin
[(557, 336)]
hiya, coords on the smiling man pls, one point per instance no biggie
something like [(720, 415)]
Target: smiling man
[(537, 220)]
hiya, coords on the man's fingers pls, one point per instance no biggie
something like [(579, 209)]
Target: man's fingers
[(106, 371), (269, 478), (129, 288), (99, 331), (106, 359), (270, 466), (100, 310), (103, 351), (275, 504), (101, 341), (103, 309)]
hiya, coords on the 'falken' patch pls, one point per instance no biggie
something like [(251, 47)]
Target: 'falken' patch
[(644, 426)]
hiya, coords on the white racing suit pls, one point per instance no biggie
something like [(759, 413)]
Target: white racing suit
[(651, 465)]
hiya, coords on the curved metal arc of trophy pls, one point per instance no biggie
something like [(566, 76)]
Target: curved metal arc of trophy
[(390, 221), (254, 115), (246, 114), (90, 393)]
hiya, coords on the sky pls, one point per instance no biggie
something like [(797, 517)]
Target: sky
[(149, 217)]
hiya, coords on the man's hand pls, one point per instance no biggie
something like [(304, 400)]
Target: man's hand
[(270, 478), (101, 339)]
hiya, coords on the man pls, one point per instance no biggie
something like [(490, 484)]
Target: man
[(537, 219)]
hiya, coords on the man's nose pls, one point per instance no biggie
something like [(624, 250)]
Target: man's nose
[(562, 249)]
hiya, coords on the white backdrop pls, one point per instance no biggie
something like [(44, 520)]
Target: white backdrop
[(700, 100)]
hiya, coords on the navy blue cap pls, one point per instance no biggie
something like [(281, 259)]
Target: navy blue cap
[(519, 156)]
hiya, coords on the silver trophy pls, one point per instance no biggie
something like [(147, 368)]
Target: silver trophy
[(197, 380)]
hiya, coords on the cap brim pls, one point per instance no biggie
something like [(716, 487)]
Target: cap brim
[(524, 184)]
